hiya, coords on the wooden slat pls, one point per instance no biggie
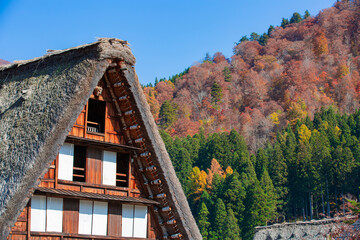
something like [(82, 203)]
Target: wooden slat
[(71, 215), (77, 175), (93, 165), (114, 220), (77, 168), (94, 142)]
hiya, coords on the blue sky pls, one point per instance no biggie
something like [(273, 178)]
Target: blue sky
[(166, 36)]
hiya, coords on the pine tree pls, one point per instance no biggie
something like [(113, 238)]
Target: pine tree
[(247, 171), (255, 211), (183, 166), (271, 28), (219, 217), (227, 74), (308, 176), (271, 197), (216, 93), (237, 149), (203, 221), (167, 114), (263, 39), (321, 153), (289, 150), (232, 230), (284, 22), (208, 58), (278, 170), (262, 162), (254, 36), (217, 187), (296, 18), (306, 14), (243, 39), (234, 195)]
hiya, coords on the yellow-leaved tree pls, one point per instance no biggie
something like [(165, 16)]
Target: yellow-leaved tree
[(304, 134), (197, 183)]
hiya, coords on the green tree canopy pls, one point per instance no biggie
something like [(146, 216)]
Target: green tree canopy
[(296, 18), (216, 93), (168, 114)]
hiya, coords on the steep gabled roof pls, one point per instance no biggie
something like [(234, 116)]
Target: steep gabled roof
[(40, 100)]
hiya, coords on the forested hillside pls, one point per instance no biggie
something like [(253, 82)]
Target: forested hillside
[(271, 134), (304, 174), (272, 79)]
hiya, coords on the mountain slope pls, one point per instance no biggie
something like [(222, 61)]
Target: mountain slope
[(302, 67)]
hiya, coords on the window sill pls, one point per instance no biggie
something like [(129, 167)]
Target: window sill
[(96, 133)]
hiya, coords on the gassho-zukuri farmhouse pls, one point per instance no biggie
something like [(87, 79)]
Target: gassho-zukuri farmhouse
[(80, 154)]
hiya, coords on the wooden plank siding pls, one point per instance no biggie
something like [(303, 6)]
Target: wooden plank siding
[(93, 166), (114, 219), (71, 215), (113, 133)]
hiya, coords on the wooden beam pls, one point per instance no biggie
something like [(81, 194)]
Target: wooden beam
[(89, 142)]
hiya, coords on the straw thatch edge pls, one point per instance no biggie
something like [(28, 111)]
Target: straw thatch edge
[(174, 191)]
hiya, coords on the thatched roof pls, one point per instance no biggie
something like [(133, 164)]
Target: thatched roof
[(40, 100)]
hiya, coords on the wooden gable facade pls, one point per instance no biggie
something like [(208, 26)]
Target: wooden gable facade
[(91, 189)]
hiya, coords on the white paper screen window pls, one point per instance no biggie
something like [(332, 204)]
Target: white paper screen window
[(38, 213), (140, 221), (109, 168), (66, 162), (54, 214), (99, 225), (127, 220), (85, 216)]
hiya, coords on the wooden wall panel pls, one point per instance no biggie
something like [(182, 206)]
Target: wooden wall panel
[(114, 219), (99, 137), (46, 184), (71, 215), (93, 165), (44, 238), (17, 237), (81, 118), (77, 131), (93, 190), (50, 174), (117, 193), (68, 187)]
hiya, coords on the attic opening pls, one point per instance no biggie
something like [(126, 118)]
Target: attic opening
[(79, 163), (96, 116), (122, 170)]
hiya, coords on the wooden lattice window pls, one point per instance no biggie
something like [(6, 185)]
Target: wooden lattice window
[(122, 170), (79, 163)]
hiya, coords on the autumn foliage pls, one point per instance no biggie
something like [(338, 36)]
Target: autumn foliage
[(271, 80)]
